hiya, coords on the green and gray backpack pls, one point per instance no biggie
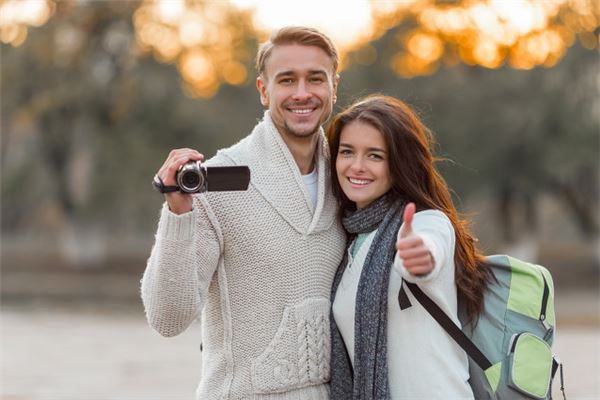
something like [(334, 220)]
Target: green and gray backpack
[(509, 346)]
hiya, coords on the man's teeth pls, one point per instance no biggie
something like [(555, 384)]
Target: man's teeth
[(304, 111), (358, 181)]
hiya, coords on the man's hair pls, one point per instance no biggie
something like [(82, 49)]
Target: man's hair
[(296, 35)]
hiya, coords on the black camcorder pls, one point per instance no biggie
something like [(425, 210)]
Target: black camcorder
[(195, 177)]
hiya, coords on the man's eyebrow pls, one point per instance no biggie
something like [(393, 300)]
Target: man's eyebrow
[(284, 73), (291, 72)]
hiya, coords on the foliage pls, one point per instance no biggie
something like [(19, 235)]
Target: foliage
[(87, 120)]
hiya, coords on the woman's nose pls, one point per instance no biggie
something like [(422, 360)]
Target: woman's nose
[(357, 164)]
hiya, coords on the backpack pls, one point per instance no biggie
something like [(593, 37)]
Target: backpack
[(509, 346)]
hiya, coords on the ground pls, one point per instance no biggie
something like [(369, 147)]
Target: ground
[(106, 351)]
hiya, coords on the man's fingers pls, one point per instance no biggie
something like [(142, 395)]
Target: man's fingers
[(177, 152), (176, 159)]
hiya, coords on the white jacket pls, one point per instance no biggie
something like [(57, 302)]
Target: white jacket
[(424, 362)]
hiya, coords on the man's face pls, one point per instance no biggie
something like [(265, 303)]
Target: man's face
[(299, 87)]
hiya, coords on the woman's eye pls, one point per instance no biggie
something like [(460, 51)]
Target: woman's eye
[(375, 157), (344, 152)]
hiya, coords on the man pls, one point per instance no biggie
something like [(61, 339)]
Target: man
[(258, 265)]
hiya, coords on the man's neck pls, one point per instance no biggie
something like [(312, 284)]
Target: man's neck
[(303, 150)]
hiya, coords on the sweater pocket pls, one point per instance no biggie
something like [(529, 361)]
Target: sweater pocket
[(298, 355)]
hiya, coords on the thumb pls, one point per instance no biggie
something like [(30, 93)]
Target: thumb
[(409, 212)]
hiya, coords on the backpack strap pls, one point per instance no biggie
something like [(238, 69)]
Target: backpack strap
[(403, 300), (449, 326)]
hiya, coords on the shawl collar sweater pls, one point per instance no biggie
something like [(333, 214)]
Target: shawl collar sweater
[(257, 266), (277, 178)]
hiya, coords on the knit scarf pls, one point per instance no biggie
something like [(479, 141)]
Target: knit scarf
[(369, 380)]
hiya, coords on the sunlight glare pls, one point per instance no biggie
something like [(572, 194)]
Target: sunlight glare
[(17, 15), (207, 38), (170, 11), (191, 30), (518, 14), (353, 18)]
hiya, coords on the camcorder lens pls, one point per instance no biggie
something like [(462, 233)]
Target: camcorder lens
[(190, 179)]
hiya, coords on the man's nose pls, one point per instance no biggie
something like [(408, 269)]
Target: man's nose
[(302, 92)]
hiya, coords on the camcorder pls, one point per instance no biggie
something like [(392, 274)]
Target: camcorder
[(195, 177)]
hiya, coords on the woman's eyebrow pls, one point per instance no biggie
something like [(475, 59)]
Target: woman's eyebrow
[(378, 149)]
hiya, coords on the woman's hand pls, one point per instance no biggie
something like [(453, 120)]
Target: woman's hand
[(416, 257)]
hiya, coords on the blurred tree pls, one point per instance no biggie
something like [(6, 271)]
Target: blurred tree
[(517, 135), (87, 119)]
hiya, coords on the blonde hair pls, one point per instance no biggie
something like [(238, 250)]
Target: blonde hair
[(296, 35)]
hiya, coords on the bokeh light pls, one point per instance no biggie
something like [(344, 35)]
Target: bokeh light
[(17, 15), (209, 40), (206, 39), (491, 33)]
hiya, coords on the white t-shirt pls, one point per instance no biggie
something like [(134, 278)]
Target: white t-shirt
[(310, 181), (423, 361)]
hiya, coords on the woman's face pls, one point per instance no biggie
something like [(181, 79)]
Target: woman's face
[(362, 166)]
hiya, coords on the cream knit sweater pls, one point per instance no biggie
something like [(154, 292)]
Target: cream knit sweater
[(257, 266)]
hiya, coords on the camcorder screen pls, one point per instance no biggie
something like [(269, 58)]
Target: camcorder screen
[(227, 178)]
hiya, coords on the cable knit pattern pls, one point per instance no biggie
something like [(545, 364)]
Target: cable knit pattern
[(257, 266), (296, 357)]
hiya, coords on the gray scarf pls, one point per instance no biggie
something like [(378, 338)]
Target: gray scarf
[(369, 380)]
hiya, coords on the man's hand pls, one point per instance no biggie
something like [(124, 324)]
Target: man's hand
[(178, 202), (416, 257)]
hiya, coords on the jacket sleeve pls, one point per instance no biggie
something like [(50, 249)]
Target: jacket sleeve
[(183, 260), (437, 233)]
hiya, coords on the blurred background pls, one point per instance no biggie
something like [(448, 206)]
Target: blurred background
[(94, 94)]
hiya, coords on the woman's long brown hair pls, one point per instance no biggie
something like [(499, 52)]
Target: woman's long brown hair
[(415, 178)]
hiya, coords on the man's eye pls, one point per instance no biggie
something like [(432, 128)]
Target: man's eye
[(316, 80), (286, 81)]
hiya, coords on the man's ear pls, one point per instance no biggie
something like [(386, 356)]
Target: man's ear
[(261, 86), (336, 80)]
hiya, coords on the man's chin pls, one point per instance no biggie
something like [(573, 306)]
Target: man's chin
[(301, 130)]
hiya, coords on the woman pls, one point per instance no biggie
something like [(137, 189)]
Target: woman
[(402, 224)]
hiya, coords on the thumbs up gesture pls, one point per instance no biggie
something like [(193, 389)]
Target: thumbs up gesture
[(416, 257)]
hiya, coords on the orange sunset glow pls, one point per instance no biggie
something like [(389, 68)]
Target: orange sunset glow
[(209, 40)]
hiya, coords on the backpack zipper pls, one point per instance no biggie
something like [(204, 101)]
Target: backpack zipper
[(545, 304), (513, 342)]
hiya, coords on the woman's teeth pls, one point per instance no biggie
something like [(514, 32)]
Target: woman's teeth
[(358, 181)]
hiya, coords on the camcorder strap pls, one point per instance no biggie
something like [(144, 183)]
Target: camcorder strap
[(159, 185)]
